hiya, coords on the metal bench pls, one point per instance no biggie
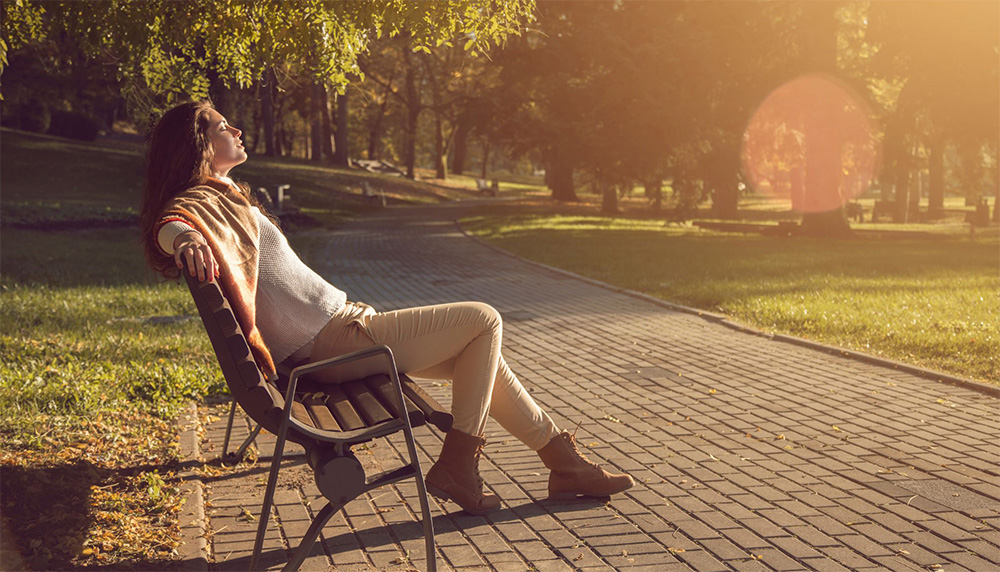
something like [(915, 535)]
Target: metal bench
[(326, 419)]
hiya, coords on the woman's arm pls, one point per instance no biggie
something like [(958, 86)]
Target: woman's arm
[(190, 247)]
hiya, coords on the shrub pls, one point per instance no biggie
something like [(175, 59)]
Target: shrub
[(74, 125), (33, 115)]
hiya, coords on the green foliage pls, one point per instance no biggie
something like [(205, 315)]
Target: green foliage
[(934, 303), (22, 23), (165, 50)]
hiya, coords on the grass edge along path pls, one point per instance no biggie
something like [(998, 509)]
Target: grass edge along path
[(863, 296)]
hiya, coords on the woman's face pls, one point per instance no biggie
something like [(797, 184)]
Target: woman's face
[(226, 144)]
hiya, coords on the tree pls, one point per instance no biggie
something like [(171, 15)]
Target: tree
[(164, 49), (944, 55)]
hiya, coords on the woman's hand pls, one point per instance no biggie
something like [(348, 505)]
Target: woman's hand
[(190, 248)]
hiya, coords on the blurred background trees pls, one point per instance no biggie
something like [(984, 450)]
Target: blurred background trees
[(603, 96)]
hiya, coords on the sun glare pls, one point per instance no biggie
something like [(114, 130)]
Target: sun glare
[(811, 141)]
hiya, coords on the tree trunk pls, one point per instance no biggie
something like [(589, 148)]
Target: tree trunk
[(654, 191), (935, 190), (995, 175), (440, 172), (375, 133), (822, 206), (461, 146), (609, 198), (316, 125), (326, 129), (412, 117), (894, 157), (916, 194), (281, 146), (562, 177), (267, 112), (374, 138), (725, 198), (341, 147), (823, 157), (902, 194), (483, 169)]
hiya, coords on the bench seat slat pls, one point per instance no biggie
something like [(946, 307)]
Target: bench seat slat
[(433, 410), (365, 403), (300, 412), (342, 410), (320, 413), (382, 387)]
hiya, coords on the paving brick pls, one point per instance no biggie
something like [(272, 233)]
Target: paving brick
[(724, 550), (824, 564), (764, 527), (795, 547), (745, 538), (973, 562), (932, 542), (985, 550), (702, 561), (847, 557)]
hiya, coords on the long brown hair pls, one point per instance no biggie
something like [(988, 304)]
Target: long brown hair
[(179, 157)]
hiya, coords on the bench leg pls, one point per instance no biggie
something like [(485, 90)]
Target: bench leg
[(233, 458), (411, 449), (310, 538), (272, 482)]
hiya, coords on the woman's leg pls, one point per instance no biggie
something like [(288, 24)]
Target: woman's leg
[(511, 405), (466, 335), (462, 342), (459, 342)]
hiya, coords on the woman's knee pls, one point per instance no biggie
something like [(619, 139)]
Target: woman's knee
[(488, 315)]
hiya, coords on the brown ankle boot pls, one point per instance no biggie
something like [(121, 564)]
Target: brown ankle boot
[(573, 474), (455, 475)]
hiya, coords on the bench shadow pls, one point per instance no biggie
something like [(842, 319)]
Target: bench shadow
[(374, 537)]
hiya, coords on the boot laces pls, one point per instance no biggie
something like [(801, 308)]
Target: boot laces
[(476, 457), (571, 437)]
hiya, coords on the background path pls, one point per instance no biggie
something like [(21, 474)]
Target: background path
[(750, 454)]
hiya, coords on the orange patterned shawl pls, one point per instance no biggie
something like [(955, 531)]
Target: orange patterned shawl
[(223, 216)]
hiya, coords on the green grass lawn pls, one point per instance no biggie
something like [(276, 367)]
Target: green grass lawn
[(933, 302)]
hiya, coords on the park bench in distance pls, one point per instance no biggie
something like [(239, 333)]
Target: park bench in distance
[(489, 189), (326, 419)]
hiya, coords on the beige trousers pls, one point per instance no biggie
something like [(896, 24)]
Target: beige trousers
[(458, 342)]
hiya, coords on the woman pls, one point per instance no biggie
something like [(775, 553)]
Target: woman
[(195, 218)]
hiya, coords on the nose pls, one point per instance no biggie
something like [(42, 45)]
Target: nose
[(236, 130)]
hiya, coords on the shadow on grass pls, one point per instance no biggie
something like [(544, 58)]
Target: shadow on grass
[(48, 513), (47, 510)]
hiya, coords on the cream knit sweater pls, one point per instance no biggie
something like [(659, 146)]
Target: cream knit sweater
[(293, 302)]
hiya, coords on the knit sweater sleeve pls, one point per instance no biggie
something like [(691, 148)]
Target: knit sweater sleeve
[(169, 233)]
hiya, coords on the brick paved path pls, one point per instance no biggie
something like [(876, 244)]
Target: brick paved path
[(750, 454)]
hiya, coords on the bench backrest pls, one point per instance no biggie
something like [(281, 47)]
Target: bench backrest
[(261, 400)]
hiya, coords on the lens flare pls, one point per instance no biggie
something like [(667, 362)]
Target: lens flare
[(811, 141)]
